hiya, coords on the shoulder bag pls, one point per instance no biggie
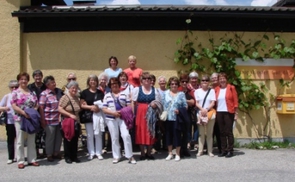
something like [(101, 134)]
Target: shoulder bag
[(3, 114), (86, 115)]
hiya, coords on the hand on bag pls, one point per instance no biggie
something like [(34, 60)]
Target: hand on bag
[(73, 117), (117, 114), (176, 111)]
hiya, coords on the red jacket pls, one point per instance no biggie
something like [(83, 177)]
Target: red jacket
[(231, 97), (68, 127)]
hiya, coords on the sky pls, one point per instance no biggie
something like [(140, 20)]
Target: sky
[(185, 2)]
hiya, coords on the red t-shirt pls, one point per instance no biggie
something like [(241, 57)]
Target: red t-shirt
[(133, 76)]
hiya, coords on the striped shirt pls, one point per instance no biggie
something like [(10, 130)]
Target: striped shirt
[(49, 101), (109, 101)]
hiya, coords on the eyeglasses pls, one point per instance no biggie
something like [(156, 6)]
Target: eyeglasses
[(14, 87), (146, 78), (74, 79), (205, 80), (184, 81)]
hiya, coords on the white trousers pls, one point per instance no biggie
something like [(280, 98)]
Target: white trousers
[(94, 142), (20, 142), (115, 126), (206, 132)]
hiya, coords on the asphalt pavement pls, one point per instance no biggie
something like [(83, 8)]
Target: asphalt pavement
[(246, 165)]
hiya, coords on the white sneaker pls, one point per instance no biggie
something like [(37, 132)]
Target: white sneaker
[(169, 157), (115, 161), (132, 160), (177, 158), (9, 161), (100, 157), (90, 157)]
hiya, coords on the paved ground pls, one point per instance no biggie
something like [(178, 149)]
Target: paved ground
[(246, 165)]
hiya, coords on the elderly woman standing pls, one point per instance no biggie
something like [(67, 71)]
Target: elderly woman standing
[(174, 102), (227, 105), (22, 99), (5, 106), (69, 107), (142, 96), (48, 103), (103, 80), (113, 71), (113, 102), (88, 97), (205, 100)]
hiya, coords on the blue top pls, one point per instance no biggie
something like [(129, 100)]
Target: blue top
[(113, 73), (144, 98), (170, 104)]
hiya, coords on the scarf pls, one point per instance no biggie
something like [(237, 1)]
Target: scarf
[(152, 116)]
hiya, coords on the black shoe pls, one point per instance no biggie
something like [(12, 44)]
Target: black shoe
[(222, 154), (150, 157), (142, 158), (186, 153), (229, 154), (69, 161), (77, 160)]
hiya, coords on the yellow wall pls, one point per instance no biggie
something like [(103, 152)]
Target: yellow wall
[(87, 53), (10, 41)]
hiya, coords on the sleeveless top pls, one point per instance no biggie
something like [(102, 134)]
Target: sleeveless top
[(143, 98)]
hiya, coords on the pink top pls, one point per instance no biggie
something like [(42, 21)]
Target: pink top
[(133, 76)]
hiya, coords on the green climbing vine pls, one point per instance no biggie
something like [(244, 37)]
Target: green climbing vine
[(222, 54)]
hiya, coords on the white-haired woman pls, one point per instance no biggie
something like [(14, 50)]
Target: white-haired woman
[(5, 106), (88, 97), (69, 107)]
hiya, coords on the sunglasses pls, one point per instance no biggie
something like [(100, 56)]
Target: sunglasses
[(146, 78), (74, 79), (14, 87), (184, 81), (205, 80)]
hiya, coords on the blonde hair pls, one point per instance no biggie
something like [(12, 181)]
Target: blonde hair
[(131, 57)]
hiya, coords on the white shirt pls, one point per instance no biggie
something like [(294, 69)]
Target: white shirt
[(221, 107), (200, 96)]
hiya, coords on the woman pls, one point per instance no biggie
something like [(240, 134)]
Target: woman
[(5, 106), (48, 103), (205, 100), (70, 77), (103, 80), (69, 107), (22, 99), (153, 80), (162, 85), (88, 97), (187, 131), (113, 70), (216, 131), (142, 96), (133, 72), (125, 87), (113, 102), (227, 113), (175, 103)]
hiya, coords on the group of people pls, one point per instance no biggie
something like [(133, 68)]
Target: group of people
[(126, 103)]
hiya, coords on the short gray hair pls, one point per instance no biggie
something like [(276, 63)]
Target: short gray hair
[(72, 83), (103, 75), (193, 74), (214, 74), (13, 83), (162, 77)]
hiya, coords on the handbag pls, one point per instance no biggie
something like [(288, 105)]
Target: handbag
[(3, 115), (77, 126), (3, 118)]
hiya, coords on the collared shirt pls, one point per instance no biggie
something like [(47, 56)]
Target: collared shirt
[(49, 101), (37, 90)]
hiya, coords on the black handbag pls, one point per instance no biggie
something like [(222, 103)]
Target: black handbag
[(85, 116), (3, 118)]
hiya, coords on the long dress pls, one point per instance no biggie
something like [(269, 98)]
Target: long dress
[(143, 136)]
